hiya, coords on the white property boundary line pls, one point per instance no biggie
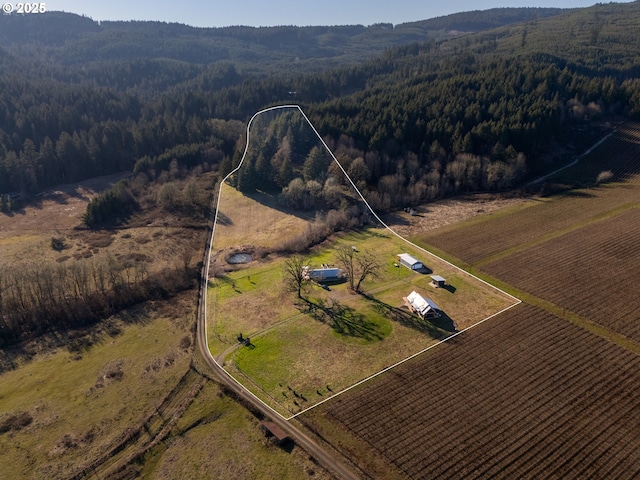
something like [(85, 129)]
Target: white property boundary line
[(517, 301)]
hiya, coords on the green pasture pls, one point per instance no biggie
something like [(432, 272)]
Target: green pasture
[(217, 438), (66, 393), (330, 339)]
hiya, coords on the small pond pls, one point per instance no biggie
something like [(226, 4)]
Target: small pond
[(240, 258)]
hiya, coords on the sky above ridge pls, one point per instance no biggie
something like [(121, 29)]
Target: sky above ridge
[(218, 13)]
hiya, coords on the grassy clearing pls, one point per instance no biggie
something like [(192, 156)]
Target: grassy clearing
[(247, 301), (157, 247), (304, 350), (76, 400), (226, 443), (256, 220)]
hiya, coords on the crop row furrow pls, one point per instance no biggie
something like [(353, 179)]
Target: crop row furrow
[(503, 415), (539, 409), (599, 443), (577, 425), (623, 463)]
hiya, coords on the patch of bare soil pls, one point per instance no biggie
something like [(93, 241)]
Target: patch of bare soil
[(56, 210), (444, 212)]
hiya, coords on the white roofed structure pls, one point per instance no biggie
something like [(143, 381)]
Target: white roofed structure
[(422, 306), (409, 261)]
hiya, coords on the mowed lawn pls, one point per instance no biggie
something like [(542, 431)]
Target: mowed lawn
[(303, 350)]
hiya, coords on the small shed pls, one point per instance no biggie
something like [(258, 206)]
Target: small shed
[(422, 306), (438, 281), (409, 262), (271, 429)]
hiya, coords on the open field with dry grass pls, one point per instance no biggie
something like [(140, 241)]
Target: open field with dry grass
[(241, 223), (218, 438), (128, 404), (55, 210), (120, 397), (524, 395), (25, 236), (450, 211), (75, 394)]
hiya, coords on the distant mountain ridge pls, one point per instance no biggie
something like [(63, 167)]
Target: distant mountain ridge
[(477, 20), (70, 39)]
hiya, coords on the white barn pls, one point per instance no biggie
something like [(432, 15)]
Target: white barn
[(422, 306), (409, 261)]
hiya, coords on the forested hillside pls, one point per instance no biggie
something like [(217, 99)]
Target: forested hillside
[(71, 40), (443, 114)]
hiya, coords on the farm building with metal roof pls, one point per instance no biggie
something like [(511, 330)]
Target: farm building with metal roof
[(324, 274), (421, 305), (272, 429), (409, 261)]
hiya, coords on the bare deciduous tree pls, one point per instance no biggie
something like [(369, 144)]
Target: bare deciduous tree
[(346, 259), (294, 277), (358, 266), (368, 266)]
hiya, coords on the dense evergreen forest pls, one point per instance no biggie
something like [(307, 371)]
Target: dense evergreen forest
[(431, 112)]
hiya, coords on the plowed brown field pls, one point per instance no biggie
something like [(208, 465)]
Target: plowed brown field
[(531, 222), (592, 271), (526, 395)]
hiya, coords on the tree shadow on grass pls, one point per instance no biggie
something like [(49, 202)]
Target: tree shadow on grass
[(341, 318), (225, 279), (270, 200), (575, 194), (436, 328), (396, 219), (223, 219), (12, 356)]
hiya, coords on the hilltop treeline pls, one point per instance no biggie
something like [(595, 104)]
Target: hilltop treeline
[(479, 112), (52, 133)]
